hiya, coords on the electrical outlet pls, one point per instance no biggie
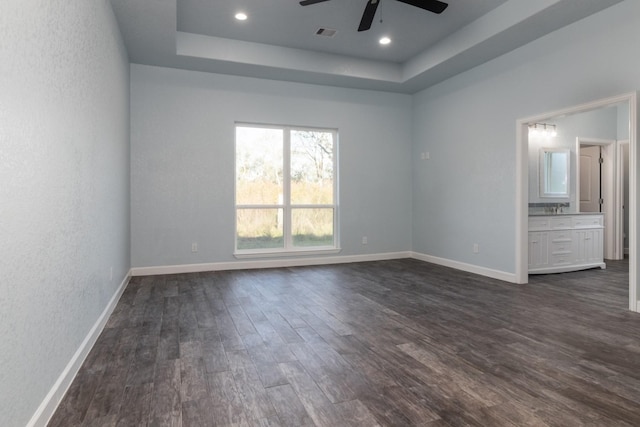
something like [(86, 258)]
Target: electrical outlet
[(194, 247), (476, 248), (365, 240)]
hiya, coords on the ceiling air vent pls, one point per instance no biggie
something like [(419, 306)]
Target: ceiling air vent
[(327, 32)]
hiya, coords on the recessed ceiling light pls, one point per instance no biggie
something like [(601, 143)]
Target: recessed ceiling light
[(241, 16), (384, 40)]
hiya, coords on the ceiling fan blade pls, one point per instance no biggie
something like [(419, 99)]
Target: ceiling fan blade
[(308, 2), (434, 6), (367, 16)]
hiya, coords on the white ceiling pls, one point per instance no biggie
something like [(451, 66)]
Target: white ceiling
[(278, 41)]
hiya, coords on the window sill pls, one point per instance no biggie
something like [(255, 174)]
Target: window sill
[(282, 254)]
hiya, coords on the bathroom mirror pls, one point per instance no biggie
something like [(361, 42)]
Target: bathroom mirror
[(554, 172)]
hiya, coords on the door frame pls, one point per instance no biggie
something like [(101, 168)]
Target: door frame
[(612, 208), (621, 189), (522, 186)]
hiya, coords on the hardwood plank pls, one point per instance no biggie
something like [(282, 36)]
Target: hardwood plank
[(321, 411), (193, 384), (231, 340), (102, 352), (376, 377), (241, 320), (143, 362), (166, 404), (266, 422), (171, 311), (74, 406), (334, 386), (153, 311), (135, 405), (252, 340), (515, 414), (136, 316), (126, 348), (213, 354), (355, 413), (168, 344), (412, 405), (280, 352), (106, 421), (264, 361), (213, 294), (204, 315), (386, 411), (249, 385), (282, 327), (290, 410), (228, 407), (187, 320), (268, 333), (107, 398), (252, 310), (198, 413), (170, 288)]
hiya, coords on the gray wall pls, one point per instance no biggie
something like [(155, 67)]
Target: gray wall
[(623, 121), (182, 158), (465, 194), (64, 197)]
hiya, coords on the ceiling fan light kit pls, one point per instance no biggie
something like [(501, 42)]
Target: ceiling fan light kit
[(434, 6)]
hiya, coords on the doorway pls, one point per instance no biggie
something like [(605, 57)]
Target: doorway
[(522, 185)]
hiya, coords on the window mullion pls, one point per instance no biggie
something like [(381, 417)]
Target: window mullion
[(336, 228), (286, 178)]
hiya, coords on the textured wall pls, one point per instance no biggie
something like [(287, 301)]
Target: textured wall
[(64, 197), (182, 160), (466, 194)]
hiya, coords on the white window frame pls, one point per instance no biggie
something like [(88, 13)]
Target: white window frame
[(288, 249)]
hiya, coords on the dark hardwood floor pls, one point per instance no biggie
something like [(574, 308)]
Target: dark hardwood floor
[(391, 343)]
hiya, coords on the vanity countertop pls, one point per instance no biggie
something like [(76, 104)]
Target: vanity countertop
[(567, 213)]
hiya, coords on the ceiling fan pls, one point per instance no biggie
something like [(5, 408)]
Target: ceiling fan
[(434, 6)]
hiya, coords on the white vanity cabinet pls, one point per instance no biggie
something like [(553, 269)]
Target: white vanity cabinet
[(561, 243)]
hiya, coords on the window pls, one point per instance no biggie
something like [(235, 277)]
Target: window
[(286, 189)]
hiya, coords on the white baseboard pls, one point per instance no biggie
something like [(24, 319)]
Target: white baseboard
[(482, 271), (50, 403), (271, 263), (297, 262)]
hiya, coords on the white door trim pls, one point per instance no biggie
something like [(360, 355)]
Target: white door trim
[(620, 197), (522, 187)]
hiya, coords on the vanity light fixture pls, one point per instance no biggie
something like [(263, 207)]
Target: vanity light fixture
[(543, 129), (241, 16)]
